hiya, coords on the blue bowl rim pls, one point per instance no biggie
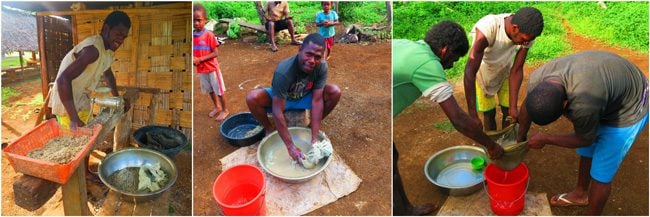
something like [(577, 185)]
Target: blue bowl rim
[(221, 130)]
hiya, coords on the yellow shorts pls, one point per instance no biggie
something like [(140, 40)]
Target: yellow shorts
[(64, 120), (486, 103)]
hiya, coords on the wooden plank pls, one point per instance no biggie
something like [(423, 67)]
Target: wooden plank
[(75, 37), (162, 207), (256, 27), (110, 205), (45, 80), (123, 127), (75, 202), (125, 206), (144, 208)]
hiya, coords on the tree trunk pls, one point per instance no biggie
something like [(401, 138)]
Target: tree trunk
[(260, 12), (336, 6), (389, 13)]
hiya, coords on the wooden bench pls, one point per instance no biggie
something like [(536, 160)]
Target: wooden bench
[(14, 73), (256, 27)]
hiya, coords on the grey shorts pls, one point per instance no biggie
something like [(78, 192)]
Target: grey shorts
[(212, 82)]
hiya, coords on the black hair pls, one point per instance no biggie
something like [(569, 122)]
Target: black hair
[(450, 34), (116, 18), (201, 8), (323, 2), (544, 103), (313, 38), (529, 20)]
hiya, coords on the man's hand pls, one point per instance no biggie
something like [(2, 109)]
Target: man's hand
[(75, 123), (514, 114), (495, 151), (536, 141), (313, 141), (197, 61), (295, 153)]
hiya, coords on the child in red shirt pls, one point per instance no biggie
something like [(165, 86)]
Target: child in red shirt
[(205, 53)]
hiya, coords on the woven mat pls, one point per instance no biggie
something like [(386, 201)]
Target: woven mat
[(282, 199), (478, 204)]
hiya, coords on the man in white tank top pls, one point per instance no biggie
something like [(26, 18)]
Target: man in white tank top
[(490, 69), (82, 68)]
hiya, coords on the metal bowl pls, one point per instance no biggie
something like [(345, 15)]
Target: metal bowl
[(235, 127), (451, 170), (272, 146), (137, 157)]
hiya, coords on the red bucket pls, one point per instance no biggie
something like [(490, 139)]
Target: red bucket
[(240, 190), (507, 189)]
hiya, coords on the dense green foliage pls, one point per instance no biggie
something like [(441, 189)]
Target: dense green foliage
[(217, 10), (234, 28), (622, 24), (413, 19), (303, 12)]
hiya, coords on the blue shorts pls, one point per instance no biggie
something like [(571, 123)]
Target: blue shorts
[(299, 104), (609, 149)]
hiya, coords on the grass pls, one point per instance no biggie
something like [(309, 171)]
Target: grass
[(8, 62), (623, 24), (303, 12), (445, 126), (37, 100), (8, 92), (413, 19)]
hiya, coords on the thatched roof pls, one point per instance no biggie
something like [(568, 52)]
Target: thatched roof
[(18, 31), (37, 6)]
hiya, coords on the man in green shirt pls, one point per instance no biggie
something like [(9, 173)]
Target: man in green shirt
[(418, 70)]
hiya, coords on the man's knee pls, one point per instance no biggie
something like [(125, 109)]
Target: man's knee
[(332, 91), (270, 26), (256, 97)]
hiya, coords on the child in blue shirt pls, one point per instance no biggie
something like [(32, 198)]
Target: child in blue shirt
[(325, 20)]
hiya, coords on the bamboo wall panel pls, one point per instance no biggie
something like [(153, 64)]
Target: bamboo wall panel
[(58, 37)]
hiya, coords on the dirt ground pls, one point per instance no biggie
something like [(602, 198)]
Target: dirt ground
[(20, 119), (553, 170), (359, 126)]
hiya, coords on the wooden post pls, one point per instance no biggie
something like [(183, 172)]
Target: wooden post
[(123, 127), (75, 202), (20, 58), (389, 13), (260, 12), (45, 78), (336, 6)]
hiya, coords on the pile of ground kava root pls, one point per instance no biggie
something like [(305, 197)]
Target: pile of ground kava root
[(60, 149), (137, 180)]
